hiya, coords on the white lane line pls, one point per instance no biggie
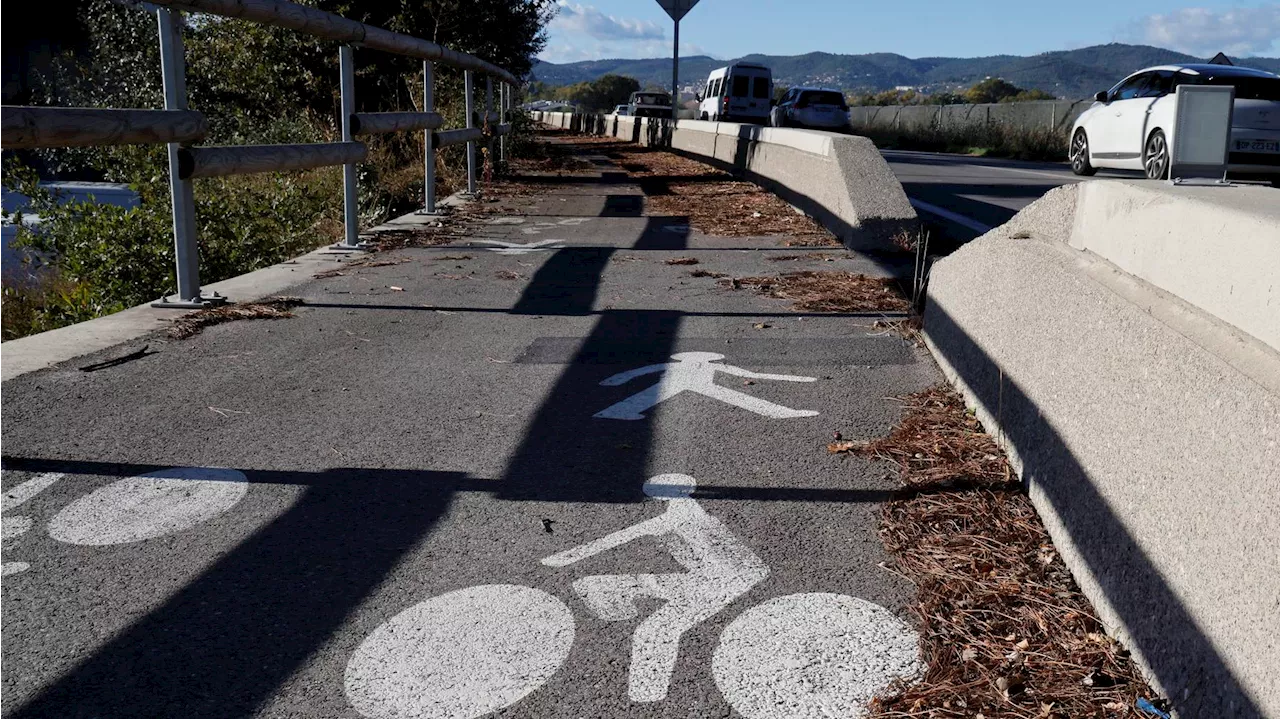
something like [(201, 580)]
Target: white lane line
[(949, 215)]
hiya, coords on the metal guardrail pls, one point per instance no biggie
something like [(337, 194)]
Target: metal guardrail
[(176, 125)]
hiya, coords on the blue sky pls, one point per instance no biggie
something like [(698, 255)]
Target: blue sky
[(594, 29)]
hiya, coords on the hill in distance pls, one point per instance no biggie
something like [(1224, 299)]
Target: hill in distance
[(1068, 73)]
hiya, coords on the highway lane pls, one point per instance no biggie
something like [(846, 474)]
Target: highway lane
[(969, 195)]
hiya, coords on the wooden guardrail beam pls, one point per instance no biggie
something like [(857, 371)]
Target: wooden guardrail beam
[(456, 137), (375, 123), (248, 159), (24, 128), (329, 26)]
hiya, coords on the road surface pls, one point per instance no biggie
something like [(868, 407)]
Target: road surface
[(969, 195), (457, 485)]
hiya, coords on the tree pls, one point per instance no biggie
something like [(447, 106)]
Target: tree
[(992, 89)]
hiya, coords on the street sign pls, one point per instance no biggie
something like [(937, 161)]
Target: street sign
[(677, 8)]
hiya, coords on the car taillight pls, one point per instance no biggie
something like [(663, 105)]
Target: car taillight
[(725, 100)]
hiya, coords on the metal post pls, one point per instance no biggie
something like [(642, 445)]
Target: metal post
[(488, 110), (675, 75), (471, 122), (185, 248), (429, 155), (504, 95), (350, 198)]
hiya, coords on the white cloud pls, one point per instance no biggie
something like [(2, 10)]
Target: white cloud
[(587, 20), (582, 32), (1203, 32)]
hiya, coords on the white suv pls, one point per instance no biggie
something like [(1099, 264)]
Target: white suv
[(1130, 127), (811, 107)]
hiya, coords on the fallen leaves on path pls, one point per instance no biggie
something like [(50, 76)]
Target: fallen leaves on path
[(271, 308), (812, 291), (1005, 631)]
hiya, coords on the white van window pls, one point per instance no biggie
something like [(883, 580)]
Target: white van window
[(741, 86), (715, 87), (760, 90)]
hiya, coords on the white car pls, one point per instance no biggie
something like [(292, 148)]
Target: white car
[(811, 107), (1130, 126), (740, 92), (622, 110)]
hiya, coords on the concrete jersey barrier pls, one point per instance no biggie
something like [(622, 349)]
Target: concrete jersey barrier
[(1145, 428), (840, 180)]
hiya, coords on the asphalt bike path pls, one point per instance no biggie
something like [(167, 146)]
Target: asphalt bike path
[(537, 472)]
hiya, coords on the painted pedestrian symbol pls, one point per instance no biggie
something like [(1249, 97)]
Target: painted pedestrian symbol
[(470, 652), (695, 372), (515, 248), (720, 569)]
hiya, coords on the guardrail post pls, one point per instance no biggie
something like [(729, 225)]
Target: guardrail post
[(467, 84), (186, 250), (350, 196), (429, 153), (488, 124), (504, 94)]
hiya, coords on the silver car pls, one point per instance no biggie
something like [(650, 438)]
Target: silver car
[(814, 107)]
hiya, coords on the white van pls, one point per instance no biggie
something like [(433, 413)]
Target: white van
[(741, 92)]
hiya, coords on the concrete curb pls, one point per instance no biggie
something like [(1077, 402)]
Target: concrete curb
[(46, 349)]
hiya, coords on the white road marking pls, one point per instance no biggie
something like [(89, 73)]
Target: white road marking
[(460, 655), (514, 248), (28, 489), (148, 506), (14, 526), (812, 656), (720, 567), (507, 221), (13, 568), (949, 215), (695, 372), (538, 227)]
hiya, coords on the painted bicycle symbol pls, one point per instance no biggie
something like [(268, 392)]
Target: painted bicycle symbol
[(474, 651)]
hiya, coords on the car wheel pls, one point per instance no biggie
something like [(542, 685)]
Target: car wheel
[(704, 116), (1080, 164), (1155, 156)]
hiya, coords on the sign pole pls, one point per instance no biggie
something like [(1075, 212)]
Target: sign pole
[(675, 74)]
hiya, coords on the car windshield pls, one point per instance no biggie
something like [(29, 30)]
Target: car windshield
[(1247, 88), (822, 97), (652, 99)]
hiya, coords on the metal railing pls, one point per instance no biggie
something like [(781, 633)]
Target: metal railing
[(178, 126)]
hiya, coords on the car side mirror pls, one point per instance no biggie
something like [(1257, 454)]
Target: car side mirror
[(1100, 97)]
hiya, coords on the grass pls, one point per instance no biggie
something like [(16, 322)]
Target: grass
[(1004, 630), (987, 140)]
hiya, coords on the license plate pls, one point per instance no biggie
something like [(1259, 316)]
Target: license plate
[(1257, 145)]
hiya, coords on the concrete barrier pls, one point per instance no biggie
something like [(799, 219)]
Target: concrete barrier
[(1217, 248), (1146, 429), (840, 180)]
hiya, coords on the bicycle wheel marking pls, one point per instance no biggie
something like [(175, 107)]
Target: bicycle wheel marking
[(149, 506), (812, 655), (460, 655)]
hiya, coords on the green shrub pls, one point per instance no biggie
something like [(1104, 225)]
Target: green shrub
[(989, 139)]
